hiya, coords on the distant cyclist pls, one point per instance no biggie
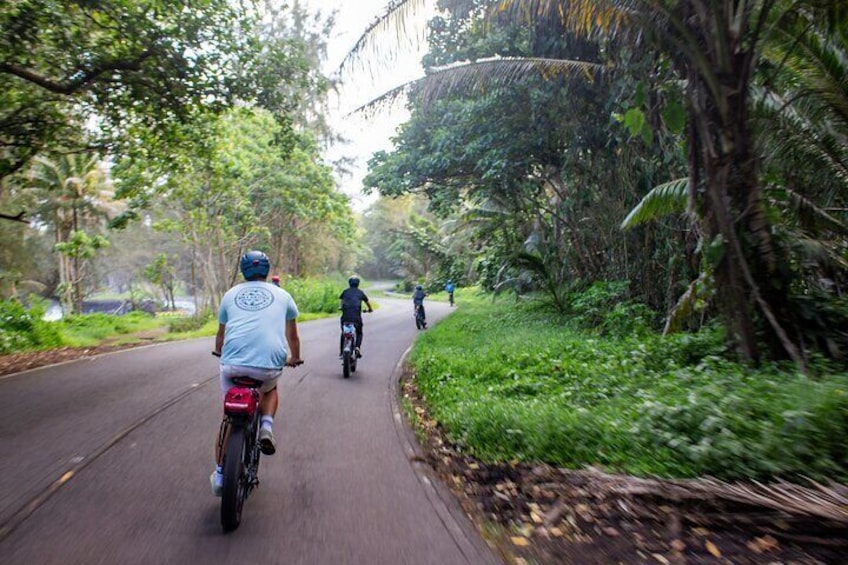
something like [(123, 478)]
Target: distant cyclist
[(450, 288), (418, 302), (351, 300), (257, 337)]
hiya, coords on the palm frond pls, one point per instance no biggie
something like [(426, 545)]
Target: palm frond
[(400, 29), (820, 63), (793, 131), (495, 72), (805, 207), (662, 200), (476, 76), (385, 101)]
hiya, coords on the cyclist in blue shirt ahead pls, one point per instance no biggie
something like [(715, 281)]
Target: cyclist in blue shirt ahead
[(351, 300), (449, 288), (257, 337)]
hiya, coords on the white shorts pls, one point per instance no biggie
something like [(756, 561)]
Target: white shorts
[(267, 376)]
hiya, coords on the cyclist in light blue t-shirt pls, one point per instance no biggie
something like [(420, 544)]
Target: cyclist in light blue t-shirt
[(257, 337)]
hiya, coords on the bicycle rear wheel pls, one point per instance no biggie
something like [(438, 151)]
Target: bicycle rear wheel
[(235, 478), (347, 360)]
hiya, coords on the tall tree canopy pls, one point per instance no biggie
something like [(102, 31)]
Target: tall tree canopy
[(716, 67), (117, 74)]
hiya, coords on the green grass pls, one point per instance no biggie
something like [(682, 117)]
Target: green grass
[(22, 329), (516, 382), (85, 330)]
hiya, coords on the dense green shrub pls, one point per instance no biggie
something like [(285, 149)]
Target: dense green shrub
[(317, 296), (518, 382), (183, 324), (90, 329), (23, 329), (605, 307)]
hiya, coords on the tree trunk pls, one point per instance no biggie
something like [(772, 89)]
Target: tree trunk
[(734, 220)]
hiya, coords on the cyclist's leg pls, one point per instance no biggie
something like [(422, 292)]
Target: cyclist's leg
[(358, 326), (268, 402), (221, 438)]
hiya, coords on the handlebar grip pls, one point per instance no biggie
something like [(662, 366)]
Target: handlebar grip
[(216, 353)]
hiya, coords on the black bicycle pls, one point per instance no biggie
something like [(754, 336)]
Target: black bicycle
[(238, 440), (420, 322), (349, 357)]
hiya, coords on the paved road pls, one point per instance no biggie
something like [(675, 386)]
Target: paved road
[(107, 461)]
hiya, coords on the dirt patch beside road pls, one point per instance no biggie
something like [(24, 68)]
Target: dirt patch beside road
[(17, 362), (542, 514)]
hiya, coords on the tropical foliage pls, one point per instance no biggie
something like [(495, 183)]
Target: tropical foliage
[(594, 388), (127, 73), (198, 129), (744, 100)]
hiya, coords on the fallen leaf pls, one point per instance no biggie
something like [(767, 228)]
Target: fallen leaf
[(611, 532), (660, 558), (536, 518), (763, 544), (556, 532), (678, 545), (711, 547), (702, 532), (520, 541)]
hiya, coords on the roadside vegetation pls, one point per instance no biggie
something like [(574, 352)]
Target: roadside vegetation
[(598, 387), (22, 328)]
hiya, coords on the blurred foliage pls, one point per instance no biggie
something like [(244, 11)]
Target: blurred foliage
[(519, 382)]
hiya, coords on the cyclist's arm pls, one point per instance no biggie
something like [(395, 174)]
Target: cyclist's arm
[(293, 339), (219, 338)]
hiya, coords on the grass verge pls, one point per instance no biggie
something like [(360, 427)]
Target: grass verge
[(514, 382)]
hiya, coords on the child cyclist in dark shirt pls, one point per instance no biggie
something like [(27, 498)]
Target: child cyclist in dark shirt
[(351, 300)]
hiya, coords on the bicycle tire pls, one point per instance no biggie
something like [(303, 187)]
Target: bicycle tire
[(346, 356), (235, 478)]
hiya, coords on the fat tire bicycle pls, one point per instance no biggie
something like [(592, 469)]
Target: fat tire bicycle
[(420, 321), (238, 440), (349, 357)]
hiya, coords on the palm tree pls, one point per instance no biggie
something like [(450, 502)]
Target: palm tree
[(716, 47), (74, 193)]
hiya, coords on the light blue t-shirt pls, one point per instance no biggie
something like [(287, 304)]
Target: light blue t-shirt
[(255, 314)]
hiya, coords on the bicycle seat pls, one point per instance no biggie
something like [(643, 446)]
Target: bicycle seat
[(247, 382)]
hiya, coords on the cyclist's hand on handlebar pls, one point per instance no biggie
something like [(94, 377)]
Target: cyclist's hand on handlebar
[(294, 362)]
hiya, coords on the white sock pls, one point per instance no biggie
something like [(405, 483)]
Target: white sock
[(267, 422)]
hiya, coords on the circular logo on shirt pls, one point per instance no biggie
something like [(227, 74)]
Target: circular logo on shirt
[(254, 298)]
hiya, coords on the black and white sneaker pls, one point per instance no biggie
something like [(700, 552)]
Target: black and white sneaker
[(267, 443)]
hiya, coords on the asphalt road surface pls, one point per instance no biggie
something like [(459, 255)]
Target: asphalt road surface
[(107, 460)]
